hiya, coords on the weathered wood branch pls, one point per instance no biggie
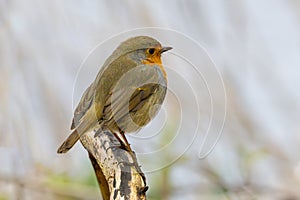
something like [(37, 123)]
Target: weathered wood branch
[(118, 173)]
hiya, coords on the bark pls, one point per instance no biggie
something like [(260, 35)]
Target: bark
[(117, 171)]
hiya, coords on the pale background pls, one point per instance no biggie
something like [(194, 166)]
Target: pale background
[(255, 46)]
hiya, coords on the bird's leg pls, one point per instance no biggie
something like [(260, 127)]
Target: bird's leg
[(122, 144), (132, 153), (127, 145)]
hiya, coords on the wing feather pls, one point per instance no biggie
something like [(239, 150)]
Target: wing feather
[(84, 104)]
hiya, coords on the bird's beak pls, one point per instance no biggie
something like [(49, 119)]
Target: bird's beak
[(164, 49)]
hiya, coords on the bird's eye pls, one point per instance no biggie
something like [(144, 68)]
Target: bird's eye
[(151, 51)]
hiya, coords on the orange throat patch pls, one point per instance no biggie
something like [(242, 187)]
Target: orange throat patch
[(156, 60)]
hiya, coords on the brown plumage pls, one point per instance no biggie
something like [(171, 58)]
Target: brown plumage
[(131, 83)]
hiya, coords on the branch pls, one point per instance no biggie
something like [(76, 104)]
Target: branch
[(118, 173)]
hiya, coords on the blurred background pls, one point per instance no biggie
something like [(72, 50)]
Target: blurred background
[(255, 46)]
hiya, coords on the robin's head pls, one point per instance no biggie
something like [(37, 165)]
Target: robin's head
[(142, 49), (153, 54)]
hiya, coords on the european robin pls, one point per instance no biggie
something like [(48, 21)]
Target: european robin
[(127, 91)]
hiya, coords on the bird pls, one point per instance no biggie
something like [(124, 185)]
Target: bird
[(126, 93)]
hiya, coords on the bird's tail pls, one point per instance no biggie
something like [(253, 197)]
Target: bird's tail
[(69, 142)]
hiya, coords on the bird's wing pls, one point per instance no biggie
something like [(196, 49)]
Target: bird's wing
[(123, 102), (132, 92), (84, 104)]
